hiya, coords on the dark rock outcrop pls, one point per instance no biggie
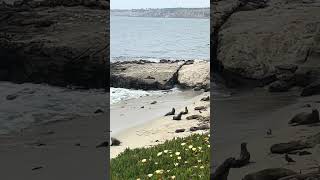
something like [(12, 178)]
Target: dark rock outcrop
[(56, 42), (283, 148), (134, 75), (270, 174)]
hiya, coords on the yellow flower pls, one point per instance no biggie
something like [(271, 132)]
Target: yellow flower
[(143, 160), (173, 177), (182, 144), (165, 151), (159, 154), (177, 153), (190, 146), (150, 175), (159, 171), (179, 157)]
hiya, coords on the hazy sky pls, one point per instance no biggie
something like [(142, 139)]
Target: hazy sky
[(137, 4)]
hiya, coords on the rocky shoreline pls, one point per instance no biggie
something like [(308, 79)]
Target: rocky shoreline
[(161, 75)]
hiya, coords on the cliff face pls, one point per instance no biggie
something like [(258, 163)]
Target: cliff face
[(57, 42), (260, 42)]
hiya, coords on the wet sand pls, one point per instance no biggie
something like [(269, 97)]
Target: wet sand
[(247, 116)]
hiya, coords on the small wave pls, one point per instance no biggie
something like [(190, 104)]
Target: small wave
[(152, 59), (121, 94)]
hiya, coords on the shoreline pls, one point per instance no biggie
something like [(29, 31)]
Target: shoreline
[(160, 129)]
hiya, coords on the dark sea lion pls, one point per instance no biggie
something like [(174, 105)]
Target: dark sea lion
[(171, 112), (244, 158), (288, 159), (185, 111), (178, 117), (305, 118), (222, 171)]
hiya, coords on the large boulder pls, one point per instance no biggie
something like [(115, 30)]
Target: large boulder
[(269, 174), (252, 42), (144, 75), (55, 45), (195, 74)]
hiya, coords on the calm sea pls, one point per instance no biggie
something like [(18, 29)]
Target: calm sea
[(157, 38)]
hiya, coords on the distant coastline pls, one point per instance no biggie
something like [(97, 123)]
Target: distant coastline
[(164, 13)]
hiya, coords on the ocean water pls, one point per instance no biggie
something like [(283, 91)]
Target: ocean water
[(159, 38), (135, 38)]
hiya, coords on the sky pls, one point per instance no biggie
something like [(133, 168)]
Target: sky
[(138, 4)]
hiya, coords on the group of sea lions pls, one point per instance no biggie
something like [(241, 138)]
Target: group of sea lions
[(178, 117)]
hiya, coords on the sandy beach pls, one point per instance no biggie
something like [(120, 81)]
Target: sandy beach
[(238, 114), (59, 134), (161, 128)]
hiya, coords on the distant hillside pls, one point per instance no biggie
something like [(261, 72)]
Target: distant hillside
[(167, 12)]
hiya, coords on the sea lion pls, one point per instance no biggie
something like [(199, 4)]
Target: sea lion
[(222, 171), (185, 111), (171, 112), (178, 117), (288, 159), (305, 118), (244, 158)]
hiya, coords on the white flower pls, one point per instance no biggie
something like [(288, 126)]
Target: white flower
[(209, 146), (182, 144), (170, 155), (138, 179), (190, 146), (165, 151), (159, 171), (186, 162), (173, 177), (199, 148), (143, 160), (156, 163), (201, 167), (168, 170), (159, 154), (150, 175), (194, 149), (199, 161), (177, 153), (179, 157), (176, 164)]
